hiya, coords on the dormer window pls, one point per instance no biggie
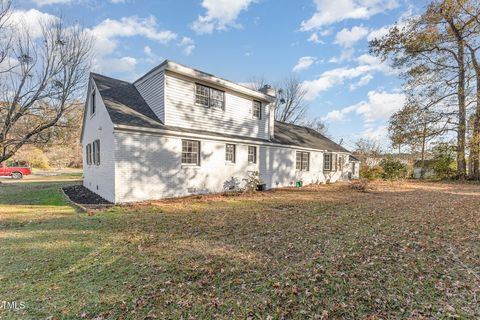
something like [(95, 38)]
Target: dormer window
[(93, 106), (209, 97), (257, 109)]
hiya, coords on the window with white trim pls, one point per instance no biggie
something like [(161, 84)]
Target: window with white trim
[(88, 151), (93, 104), (96, 152), (257, 109), (230, 153), (303, 161), (252, 154), (340, 163), (329, 162), (191, 152), (209, 97)]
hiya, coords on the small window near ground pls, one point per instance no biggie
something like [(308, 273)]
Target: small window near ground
[(230, 153), (303, 161), (191, 152), (252, 154), (88, 153), (257, 109), (93, 103), (209, 97)]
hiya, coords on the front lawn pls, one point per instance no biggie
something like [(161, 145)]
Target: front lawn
[(401, 251)]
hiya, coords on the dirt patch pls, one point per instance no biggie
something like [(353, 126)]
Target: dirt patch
[(82, 196)]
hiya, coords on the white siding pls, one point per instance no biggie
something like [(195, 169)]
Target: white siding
[(236, 119), (149, 167), (152, 91), (99, 179)]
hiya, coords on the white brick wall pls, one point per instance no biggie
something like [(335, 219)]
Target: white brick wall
[(100, 179), (149, 167)]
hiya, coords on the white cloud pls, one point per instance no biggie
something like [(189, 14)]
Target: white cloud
[(41, 3), (379, 106), (379, 133), (315, 38), (362, 82), (117, 1), (220, 15), (347, 38), (152, 58), (367, 65), (329, 12), (188, 45), (108, 31), (124, 65), (304, 63), (335, 115), (31, 21)]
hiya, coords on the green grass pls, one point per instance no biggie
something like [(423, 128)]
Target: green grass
[(402, 251)]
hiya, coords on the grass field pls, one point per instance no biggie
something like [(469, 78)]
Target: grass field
[(406, 250)]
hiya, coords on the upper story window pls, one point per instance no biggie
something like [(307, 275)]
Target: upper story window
[(230, 153), (93, 105), (303, 161), (257, 109), (209, 97), (252, 154), (191, 152)]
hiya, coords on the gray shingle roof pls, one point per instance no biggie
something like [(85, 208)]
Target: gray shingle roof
[(126, 106)]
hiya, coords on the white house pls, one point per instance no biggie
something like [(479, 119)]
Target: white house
[(178, 131)]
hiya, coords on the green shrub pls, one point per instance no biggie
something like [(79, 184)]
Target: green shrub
[(444, 163), (393, 169), (371, 173), (252, 181)]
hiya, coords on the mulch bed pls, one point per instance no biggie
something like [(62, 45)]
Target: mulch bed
[(81, 195)]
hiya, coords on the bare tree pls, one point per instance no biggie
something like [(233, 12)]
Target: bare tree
[(44, 78), (368, 151), (290, 105), (316, 124)]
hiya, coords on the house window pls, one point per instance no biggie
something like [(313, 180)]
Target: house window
[(93, 103), (96, 152), (340, 163), (209, 97), (329, 162), (191, 152), (303, 161), (230, 153), (88, 151), (257, 109), (252, 154)]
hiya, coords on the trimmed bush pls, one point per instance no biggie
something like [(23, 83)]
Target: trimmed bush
[(371, 173), (393, 169)]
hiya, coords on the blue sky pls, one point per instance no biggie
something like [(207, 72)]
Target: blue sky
[(323, 42)]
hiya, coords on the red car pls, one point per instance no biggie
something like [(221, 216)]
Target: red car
[(15, 169)]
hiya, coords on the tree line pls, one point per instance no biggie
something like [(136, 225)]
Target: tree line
[(437, 55)]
